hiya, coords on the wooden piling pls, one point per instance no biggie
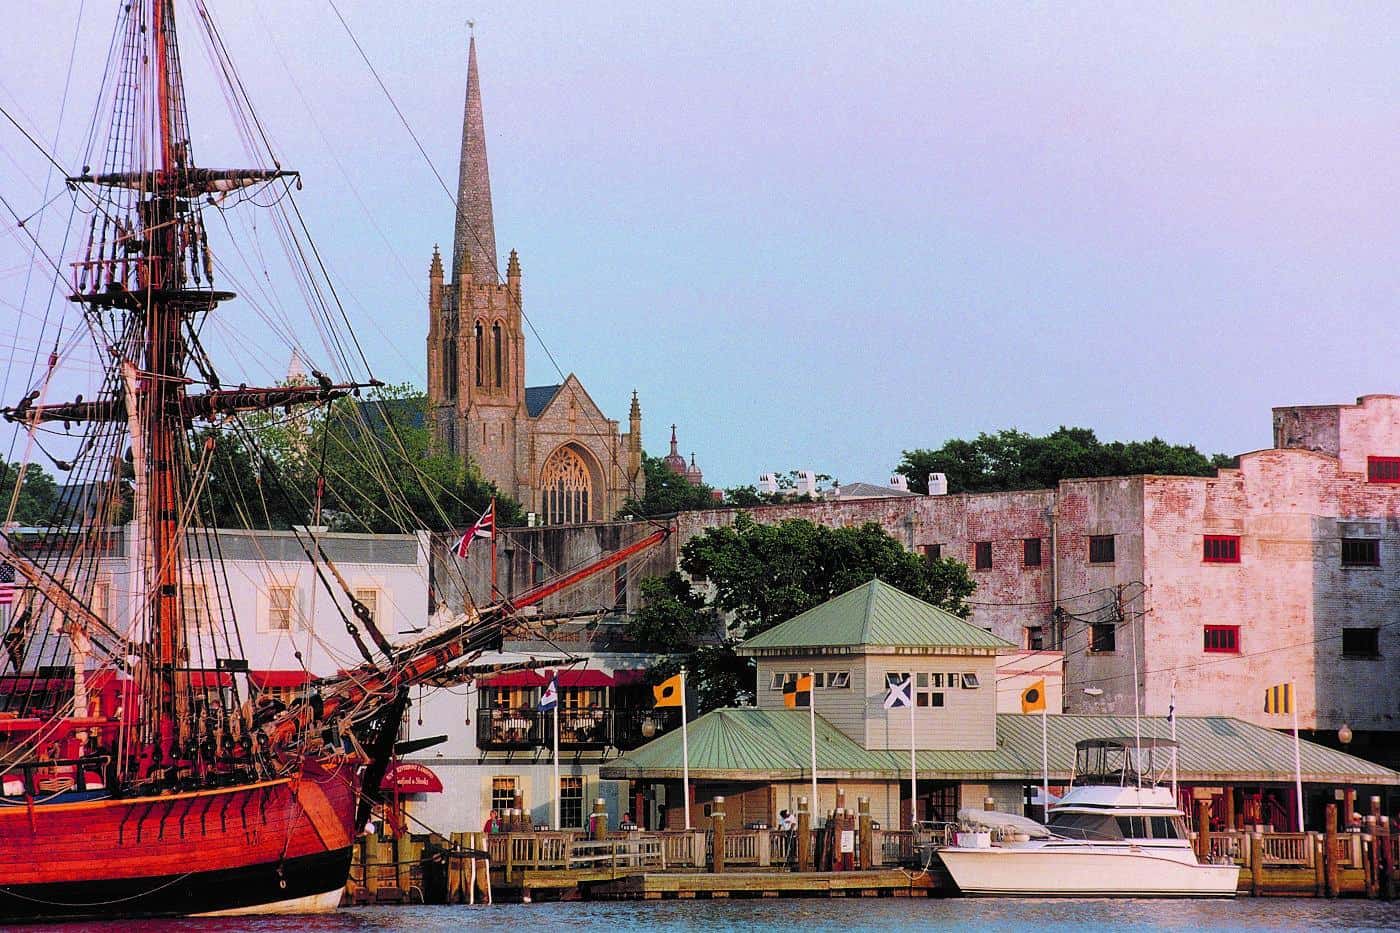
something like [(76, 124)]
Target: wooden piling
[(1387, 857), (1329, 853), (1319, 864), (804, 836), (1349, 804), (717, 822), (1203, 830), (1369, 857), (598, 820), (866, 836), (1256, 863), (1230, 809)]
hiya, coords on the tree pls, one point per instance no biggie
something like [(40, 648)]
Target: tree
[(373, 461), (1011, 459), (667, 492), (38, 495), (762, 575)]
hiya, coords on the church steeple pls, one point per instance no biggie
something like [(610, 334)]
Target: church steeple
[(475, 236)]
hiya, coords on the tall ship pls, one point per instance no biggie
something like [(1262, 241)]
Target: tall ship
[(141, 773)]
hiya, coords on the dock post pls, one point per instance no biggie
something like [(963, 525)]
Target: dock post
[(1387, 857), (1319, 865), (1370, 857), (598, 821), (803, 840), (1329, 852), (1230, 826), (1203, 830), (1349, 804), (717, 821), (1256, 863), (863, 834)]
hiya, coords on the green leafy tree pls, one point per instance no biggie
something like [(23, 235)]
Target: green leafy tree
[(667, 492), (1011, 459), (761, 575), (38, 494)]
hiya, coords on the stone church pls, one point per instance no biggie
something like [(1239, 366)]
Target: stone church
[(548, 446)]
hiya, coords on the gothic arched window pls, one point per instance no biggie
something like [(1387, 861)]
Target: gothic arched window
[(477, 333), (566, 488), (449, 368), (496, 351)]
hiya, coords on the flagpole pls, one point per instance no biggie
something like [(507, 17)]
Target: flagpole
[(492, 595), (1045, 762), (913, 765), (812, 720), (556, 758), (685, 755), (1297, 755), (1172, 709)]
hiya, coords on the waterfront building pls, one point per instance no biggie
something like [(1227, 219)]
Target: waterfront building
[(548, 446), (1206, 589), (859, 643)]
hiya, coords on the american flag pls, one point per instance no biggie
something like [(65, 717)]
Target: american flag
[(8, 590), (485, 527)]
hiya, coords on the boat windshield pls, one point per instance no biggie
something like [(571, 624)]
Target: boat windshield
[(1101, 827)]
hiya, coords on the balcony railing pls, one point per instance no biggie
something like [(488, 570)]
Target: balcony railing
[(528, 729)]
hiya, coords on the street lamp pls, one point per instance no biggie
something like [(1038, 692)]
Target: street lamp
[(1344, 734), (649, 728)]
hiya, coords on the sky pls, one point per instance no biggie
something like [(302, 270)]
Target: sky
[(814, 235)]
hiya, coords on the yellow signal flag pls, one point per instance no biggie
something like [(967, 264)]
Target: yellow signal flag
[(1033, 697), (668, 692), (1279, 699), (798, 693)]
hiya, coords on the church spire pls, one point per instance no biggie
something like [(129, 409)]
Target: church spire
[(475, 236)]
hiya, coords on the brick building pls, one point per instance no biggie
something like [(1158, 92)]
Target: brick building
[(1284, 568), (549, 446)]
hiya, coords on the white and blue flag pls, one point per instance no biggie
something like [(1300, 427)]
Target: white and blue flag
[(550, 698), (901, 694)]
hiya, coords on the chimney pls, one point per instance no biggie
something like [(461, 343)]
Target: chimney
[(806, 483), (899, 482), (767, 483), (938, 484)]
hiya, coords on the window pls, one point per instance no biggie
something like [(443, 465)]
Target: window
[(101, 598), (1101, 549), (1221, 549), (1165, 827), (935, 681), (1361, 642), (969, 681), (571, 802), (449, 367), (953, 680), (1361, 552), (921, 680), (838, 680), (982, 555), (503, 790), (194, 607), (1222, 639), (779, 678), (566, 486), (480, 343), (1383, 469), (279, 608), (935, 699), (1035, 637), (497, 359), (620, 586), (931, 551), (1133, 827), (537, 571), (369, 598), (1031, 550), (1103, 636)]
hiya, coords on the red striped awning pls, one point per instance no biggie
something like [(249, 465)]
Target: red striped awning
[(513, 679), (585, 678), (265, 680)]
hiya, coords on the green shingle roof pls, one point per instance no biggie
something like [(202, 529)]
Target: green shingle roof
[(772, 745), (874, 614)]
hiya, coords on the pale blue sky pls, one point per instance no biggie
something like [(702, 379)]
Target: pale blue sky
[(816, 234)]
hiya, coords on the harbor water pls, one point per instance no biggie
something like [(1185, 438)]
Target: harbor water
[(813, 915)]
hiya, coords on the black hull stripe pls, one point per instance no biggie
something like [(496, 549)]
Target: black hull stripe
[(178, 895)]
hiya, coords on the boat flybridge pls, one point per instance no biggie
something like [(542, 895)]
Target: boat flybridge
[(1117, 833)]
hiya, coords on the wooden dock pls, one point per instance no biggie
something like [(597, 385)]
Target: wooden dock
[(658, 885)]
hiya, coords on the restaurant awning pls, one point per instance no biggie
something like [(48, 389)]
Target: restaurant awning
[(271, 680), (409, 777), (513, 679), (585, 678)]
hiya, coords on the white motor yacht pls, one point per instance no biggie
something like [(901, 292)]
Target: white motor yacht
[(1116, 833)]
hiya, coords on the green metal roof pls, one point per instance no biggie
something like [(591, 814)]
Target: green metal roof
[(873, 614), (772, 745)]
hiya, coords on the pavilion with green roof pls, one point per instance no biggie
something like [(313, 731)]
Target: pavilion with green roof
[(854, 645)]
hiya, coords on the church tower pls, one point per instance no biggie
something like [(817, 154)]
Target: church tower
[(549, 447), (476, 346)]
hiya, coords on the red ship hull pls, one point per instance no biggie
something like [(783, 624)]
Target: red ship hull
[(235, 849)]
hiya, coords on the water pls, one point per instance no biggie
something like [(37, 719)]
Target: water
[(815, 916)]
